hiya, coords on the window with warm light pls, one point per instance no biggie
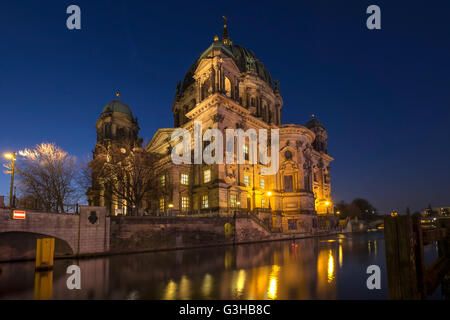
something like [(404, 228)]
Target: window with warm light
[(184, 203), (161, 204), (184, 178), (263, 203), (261, 183), (205, 203), (207, 176), (247, 180), (233, 200), (163, 181), (227, 87)]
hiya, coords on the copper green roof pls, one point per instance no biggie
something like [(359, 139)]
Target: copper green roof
[(244, 58), (118, 106)]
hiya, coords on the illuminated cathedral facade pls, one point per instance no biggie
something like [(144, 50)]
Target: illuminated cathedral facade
[(228, 87)]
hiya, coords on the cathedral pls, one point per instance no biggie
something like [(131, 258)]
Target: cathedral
[(228, 87)]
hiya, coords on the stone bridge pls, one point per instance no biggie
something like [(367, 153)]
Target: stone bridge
[(87, 233)]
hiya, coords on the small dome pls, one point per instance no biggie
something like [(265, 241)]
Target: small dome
[(117, 106), (313, 123)]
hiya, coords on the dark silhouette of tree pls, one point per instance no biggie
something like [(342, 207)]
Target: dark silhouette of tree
[(127, 174), (359, 207), (365, 207)]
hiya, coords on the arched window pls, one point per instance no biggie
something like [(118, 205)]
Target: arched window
[(206, 89), (227, 87)]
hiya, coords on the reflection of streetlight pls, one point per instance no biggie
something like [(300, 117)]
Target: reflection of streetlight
[(11, 156)]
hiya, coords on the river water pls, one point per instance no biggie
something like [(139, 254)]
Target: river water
[(314, 268)]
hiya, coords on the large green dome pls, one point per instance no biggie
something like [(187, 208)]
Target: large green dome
[(118, 106), (244, 58)]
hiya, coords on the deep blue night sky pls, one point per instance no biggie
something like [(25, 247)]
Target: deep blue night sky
[(383, 95)]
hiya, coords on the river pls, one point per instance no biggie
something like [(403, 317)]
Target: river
[(313, 268)]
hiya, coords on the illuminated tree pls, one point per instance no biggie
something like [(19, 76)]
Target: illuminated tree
[(47, 174)]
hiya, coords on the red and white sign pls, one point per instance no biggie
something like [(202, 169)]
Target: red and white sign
[(19, 215)]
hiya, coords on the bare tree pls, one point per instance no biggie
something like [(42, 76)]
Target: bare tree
[(128, 175), (84, 176), (47, 174)]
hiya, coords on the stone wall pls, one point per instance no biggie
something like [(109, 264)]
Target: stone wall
[(138, 234), (134, 234)]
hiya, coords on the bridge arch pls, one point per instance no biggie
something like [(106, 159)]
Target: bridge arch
[(19, 245), (85, 233)]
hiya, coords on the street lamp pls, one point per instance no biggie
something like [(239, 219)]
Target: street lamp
[(327, 203), (269, 194), (11, 156)]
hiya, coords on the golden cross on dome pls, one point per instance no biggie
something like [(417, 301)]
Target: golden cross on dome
[(313, 115), (118, 95)]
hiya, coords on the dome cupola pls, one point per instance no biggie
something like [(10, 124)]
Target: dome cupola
[(118, 106)]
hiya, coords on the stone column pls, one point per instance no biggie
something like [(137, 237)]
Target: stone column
[(199, 90), (213, 80)]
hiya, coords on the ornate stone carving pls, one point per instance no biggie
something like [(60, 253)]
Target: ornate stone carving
[(230, 175), (250, 63), (218, 118), (240, 125)]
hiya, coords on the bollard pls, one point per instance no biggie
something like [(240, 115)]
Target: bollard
[(45, 250)]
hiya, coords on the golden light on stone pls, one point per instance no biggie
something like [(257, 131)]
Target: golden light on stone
[(269, 193), (216, 38), (327, 203)]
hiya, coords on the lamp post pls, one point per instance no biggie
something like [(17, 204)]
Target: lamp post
[(327, 203), (11, 156), (268, 195)]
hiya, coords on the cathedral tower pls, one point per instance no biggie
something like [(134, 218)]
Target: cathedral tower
[(115, 127)]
